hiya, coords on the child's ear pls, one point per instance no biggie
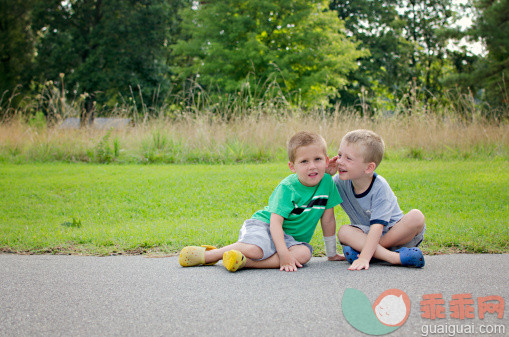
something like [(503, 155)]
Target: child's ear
[(371, 168), (291, 166)]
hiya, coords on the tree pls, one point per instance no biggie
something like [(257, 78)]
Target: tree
[(299, 44), (407, 40), (492, 73), (16, 43), (376, 24), (429, 30), (107, 49)]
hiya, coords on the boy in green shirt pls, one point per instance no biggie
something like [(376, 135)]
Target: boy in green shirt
[(278, 236)]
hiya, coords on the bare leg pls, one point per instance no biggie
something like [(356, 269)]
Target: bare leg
[(249, 251), (355, 238), (253, 253), (404, 230), (301, 253)]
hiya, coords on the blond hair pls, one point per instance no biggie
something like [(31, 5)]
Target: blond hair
[(304, 138), (372, 145)]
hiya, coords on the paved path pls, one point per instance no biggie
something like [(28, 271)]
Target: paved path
[(139, 296)]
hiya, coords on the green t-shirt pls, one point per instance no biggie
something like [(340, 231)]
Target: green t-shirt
[(300, 206)]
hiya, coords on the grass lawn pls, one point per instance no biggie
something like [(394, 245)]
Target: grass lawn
[(108, 209)]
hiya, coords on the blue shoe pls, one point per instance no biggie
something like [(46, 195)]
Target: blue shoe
[(411, 257), (350, 254)]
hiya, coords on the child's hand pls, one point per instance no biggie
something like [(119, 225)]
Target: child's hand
[(338, 257), (359, 264), (288, 263), (333, 166)]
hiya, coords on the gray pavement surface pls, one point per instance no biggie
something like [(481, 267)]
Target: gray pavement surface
[(139, 296)]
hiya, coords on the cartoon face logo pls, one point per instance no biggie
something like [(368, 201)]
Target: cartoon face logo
[(390, 311), (392, 307)]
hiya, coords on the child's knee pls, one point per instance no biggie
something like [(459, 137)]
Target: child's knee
[(306, 256), (251, 251), (343, 232), (418, 219), (302, 254)]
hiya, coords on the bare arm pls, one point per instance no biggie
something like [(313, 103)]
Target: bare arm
[(372, 241), (287, 261), (328, 222)]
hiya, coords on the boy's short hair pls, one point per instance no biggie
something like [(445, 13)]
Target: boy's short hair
[(372, 144), (304, 138)]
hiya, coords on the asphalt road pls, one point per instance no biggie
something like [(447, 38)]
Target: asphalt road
[(139, 296)]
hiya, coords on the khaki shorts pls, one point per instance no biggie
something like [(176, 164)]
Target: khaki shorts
[(256, 232)]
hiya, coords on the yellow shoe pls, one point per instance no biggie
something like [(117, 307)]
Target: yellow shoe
[(191, 256), (234, 260)]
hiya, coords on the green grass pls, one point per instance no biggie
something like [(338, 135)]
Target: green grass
[(108, 209)]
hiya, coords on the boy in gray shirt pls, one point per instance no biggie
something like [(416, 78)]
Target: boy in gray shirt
[(378, 226)]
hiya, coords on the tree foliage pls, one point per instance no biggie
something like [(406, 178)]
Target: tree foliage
[(105, 48), (428, 32), (377, 25), (16, 43), (380, 55), (298, 44), (492, 73), (407, 41)]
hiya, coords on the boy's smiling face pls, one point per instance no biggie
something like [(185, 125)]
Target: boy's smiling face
[(351, 162), (310, 164)]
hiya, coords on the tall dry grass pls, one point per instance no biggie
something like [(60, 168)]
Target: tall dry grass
[(252, 125), (256, 137)]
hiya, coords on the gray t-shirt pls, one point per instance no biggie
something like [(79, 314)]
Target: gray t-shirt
[(377, 204)]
